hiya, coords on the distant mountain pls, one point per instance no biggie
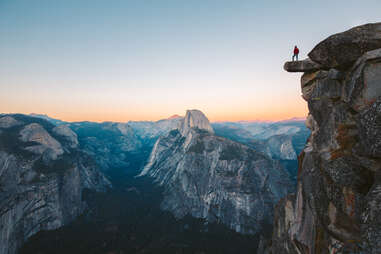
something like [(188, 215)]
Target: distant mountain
[(278, 147), (121, 145), (49, 119), (114, 145), (279, 140), (42, 175), (174, 117), (261, 130), (294, 119), (150, 131), (118, 145), (215, 178)]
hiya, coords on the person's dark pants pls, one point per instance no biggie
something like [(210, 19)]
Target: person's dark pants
[(295, 55)]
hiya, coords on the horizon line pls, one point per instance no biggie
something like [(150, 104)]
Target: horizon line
[(295, 118)]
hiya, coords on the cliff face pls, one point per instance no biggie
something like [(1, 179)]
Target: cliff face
[(214, 178), (42, 175), (337, 207)]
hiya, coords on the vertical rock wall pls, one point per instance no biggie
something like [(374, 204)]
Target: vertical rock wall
[(337, 207), (42, 175)]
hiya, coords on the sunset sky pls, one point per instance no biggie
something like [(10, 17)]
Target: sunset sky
[(149, 59)]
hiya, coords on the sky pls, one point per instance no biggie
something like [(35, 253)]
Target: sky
[(149, 59)]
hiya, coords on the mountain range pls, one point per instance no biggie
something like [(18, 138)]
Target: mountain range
[(205, 170)]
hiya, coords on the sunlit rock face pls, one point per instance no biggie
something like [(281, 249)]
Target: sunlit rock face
[(337, 208), (215, 178), (42, 176), (195, 119)]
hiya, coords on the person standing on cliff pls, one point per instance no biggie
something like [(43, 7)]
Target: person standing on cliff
[(296, 53)]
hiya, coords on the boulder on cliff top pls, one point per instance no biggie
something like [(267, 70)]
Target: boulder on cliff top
[(341, 50), (306, 65)]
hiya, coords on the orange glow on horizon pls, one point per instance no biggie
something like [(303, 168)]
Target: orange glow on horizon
[(229, 104), (147, 116)]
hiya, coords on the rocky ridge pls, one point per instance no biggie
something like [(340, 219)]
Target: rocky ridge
[(115, 145), (214, 178), (337, 206), (42, 176)]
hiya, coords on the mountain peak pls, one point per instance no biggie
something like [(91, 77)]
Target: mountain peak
[(174, 117), (195, 119)]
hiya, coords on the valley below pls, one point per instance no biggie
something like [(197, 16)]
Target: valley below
[(128, 219), (130, 215)]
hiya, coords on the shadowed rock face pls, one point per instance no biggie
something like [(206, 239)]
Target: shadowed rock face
[(215, 178), (337, 208), (363, 84), (283, 220), (41, 179)]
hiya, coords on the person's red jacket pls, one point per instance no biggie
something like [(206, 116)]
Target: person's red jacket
[(296, 51)]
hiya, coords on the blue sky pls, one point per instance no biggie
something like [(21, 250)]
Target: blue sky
[(134, 60)]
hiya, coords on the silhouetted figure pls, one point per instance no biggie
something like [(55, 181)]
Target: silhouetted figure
[(296, 53)]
